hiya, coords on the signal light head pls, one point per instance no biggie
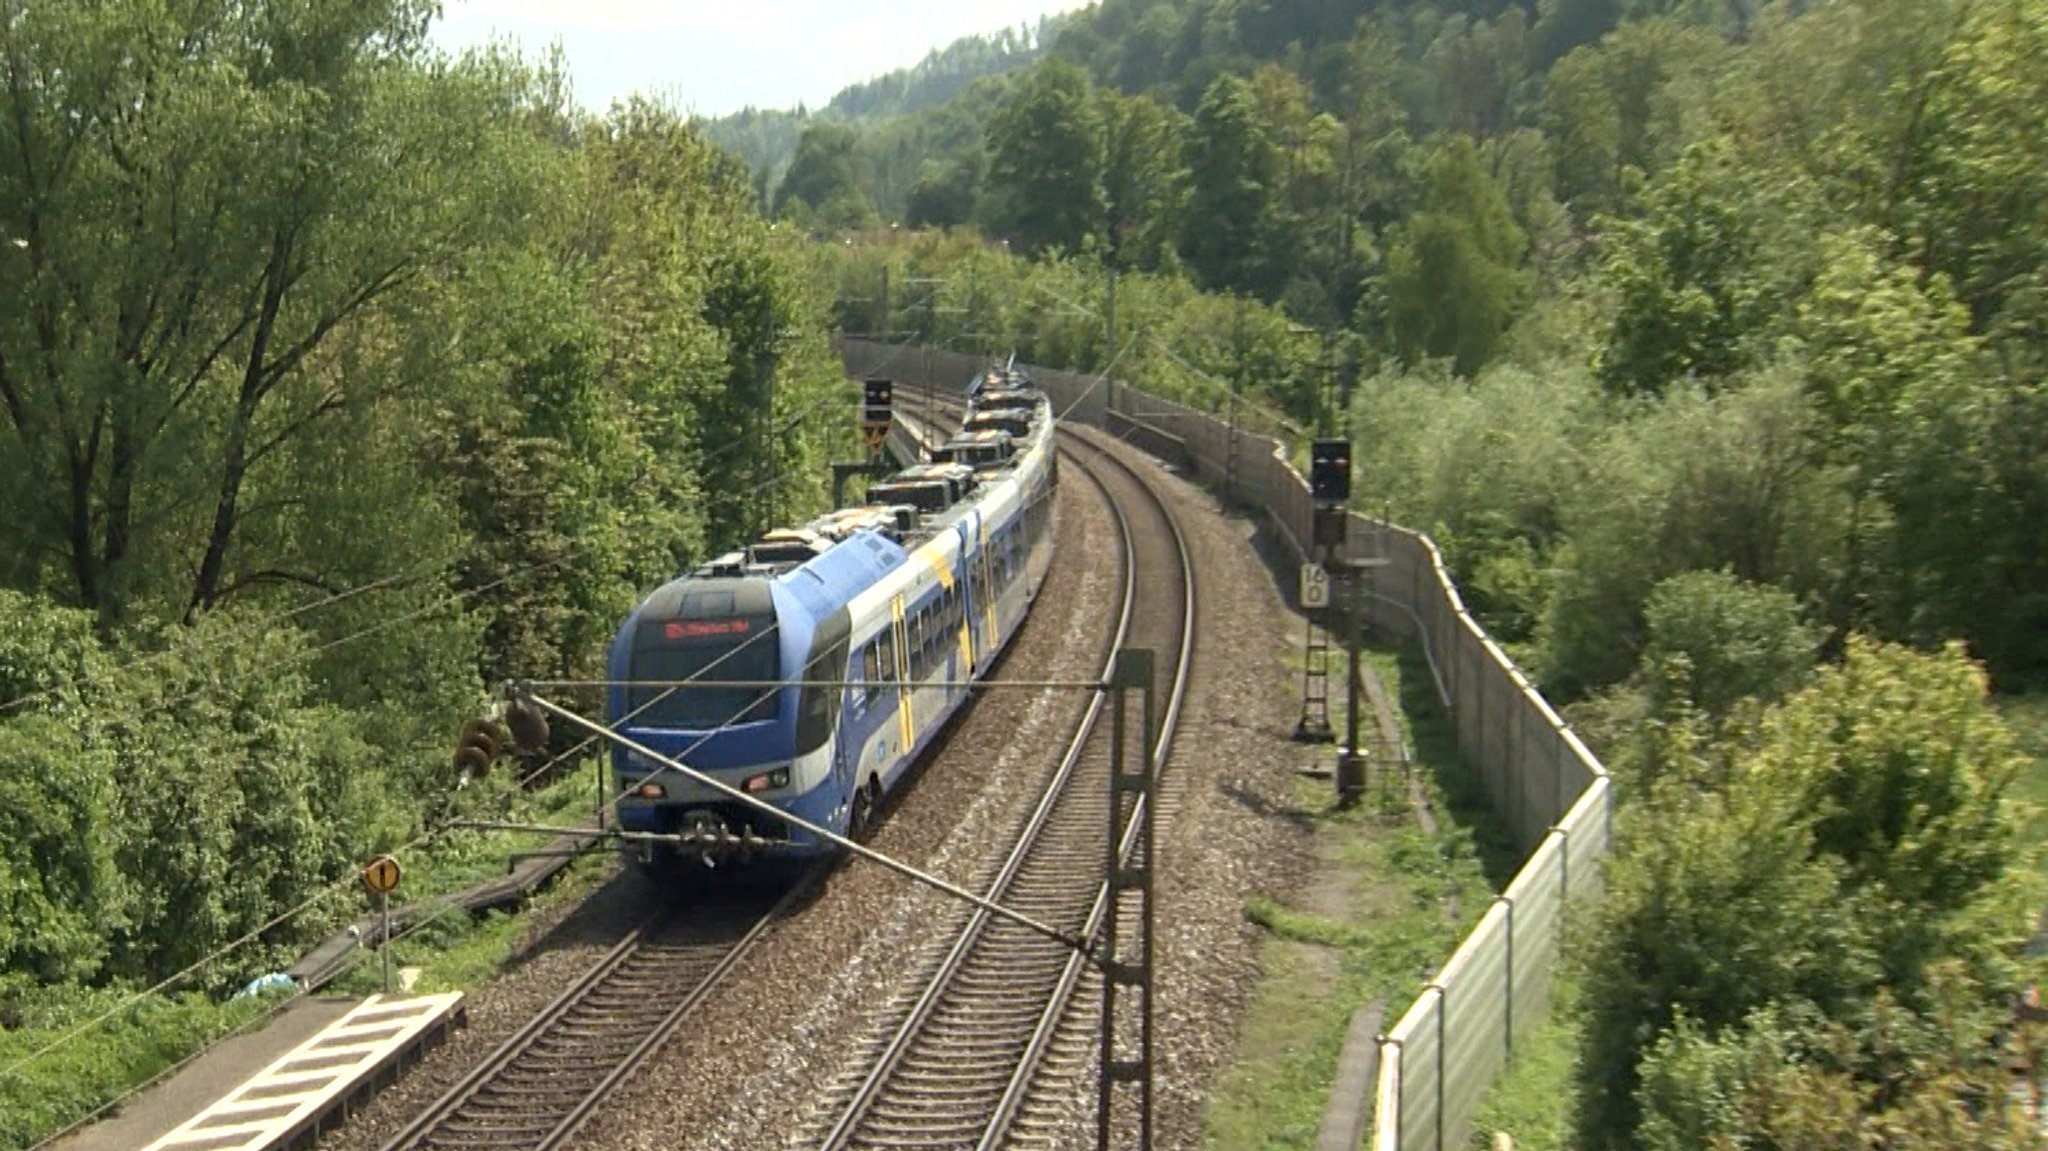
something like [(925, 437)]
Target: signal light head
[(1329, 470)]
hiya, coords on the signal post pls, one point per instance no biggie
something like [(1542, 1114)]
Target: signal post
[(877, 416), (1329, 483)]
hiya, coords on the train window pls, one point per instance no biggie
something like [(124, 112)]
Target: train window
[(668, 652), (819, 710), (870, 673), (885, 649)]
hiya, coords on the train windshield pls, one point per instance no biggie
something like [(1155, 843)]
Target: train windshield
[(668, 651)]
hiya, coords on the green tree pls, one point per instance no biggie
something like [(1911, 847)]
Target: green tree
[(1563, 25), (1695, 482), (948, 192), (1580, 118), (1904, 768), (1852, 897), (826, 167), (1700, 281), (1725, 641), (199, 206), (1045, 171), (1454, 277), (1143, 180), (1236, 181), (1714, 908)]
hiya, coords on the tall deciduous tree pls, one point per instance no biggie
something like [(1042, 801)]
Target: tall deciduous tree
[(196, 203), (1236, 184), (1454, 276), (825, 170), (1143, 179), (1045, 171)]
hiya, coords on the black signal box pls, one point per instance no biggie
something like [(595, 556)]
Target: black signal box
[(1329, 471), (876, 397)]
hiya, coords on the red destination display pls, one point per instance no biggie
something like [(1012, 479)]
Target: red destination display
[(697, 628)]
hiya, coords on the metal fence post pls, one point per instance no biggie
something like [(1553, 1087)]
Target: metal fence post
[(1564, 870), (1400, 1085), (1508, 1013), (1443, 1013)]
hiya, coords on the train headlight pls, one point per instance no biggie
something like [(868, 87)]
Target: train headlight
[(766, 781), (650, 790)]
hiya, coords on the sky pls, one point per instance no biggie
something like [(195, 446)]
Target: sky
[(717, 56)]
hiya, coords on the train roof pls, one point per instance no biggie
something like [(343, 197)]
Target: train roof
[(1001, 376), (901, 510), (1023, 399)]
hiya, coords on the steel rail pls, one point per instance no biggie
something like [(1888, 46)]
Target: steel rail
[(1058, 791), (426, 1130), (892, 1056), (1057, 1004)]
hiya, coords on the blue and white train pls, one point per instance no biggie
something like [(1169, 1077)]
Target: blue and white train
[(810, 669)]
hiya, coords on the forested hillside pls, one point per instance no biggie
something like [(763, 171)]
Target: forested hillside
[(1710, 341), (339, 382), (767, 138), (1821, 225)]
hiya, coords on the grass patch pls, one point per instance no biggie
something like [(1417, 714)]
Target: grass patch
[(1396, 885), (104, 1061), (1433, 742)]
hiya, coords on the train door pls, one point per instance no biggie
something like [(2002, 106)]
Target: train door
[(863, 688), (906, 730)]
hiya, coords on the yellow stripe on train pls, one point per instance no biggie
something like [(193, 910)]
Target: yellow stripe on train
[(903, 685)]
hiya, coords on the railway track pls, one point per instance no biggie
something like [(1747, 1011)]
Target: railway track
[(959, 1070), (540, 1085)]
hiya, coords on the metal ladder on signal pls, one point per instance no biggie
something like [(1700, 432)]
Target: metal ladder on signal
[(1314, 726)]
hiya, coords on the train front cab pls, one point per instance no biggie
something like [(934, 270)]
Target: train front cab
[(773, 743)]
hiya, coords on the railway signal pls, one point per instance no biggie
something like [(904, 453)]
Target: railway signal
[(1329, 471), (381, 876), (877, 400)]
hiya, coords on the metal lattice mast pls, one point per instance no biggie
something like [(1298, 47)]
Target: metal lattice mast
[(1127, 964)]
